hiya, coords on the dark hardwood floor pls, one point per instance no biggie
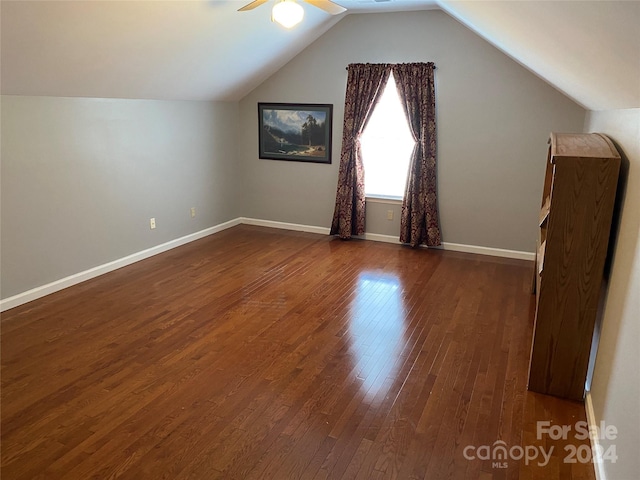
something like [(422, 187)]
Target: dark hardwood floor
[(264, 354)]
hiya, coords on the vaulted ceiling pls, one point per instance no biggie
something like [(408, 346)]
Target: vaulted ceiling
[(206, 50), (590, 50)]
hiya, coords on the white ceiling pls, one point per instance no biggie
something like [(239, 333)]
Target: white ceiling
[(590, 50), (206, 50)]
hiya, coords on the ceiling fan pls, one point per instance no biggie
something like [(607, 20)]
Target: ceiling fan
[(289, 13), (326, 5)]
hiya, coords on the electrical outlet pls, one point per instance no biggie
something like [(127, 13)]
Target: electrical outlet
[(193, 212), (152, 223), (389, 214)]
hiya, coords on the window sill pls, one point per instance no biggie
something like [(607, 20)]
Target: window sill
[(381, 199)]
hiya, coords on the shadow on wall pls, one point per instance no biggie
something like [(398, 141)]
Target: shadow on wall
[(621, 194)]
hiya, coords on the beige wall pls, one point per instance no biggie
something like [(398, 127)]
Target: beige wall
[(494, 118), (615, 388), (81, 178)]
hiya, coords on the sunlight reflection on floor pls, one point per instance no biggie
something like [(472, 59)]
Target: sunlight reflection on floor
[(376, 330)]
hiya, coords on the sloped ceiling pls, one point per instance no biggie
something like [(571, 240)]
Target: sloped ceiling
[(206, 50), (191, 50), (590, 50)]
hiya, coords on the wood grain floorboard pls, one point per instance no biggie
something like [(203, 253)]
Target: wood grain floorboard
[(262, 354)]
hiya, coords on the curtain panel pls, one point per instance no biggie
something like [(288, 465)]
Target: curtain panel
[(365, 84), (419, 223)]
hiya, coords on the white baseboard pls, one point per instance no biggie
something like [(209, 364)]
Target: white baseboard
[(494, 252), (74, 279), (52, 287), (377, 237), (285, 226), (592, 423), (458, 247)]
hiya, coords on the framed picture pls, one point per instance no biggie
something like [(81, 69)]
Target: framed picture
[(295, 131)]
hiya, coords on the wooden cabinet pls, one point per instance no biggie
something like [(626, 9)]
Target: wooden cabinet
[(575, 224)]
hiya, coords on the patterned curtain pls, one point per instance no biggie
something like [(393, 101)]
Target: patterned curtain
[(365, 84), (419, 223)]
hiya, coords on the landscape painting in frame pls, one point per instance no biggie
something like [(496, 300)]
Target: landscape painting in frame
[(294, 131)]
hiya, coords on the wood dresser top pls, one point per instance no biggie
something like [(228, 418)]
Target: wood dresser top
[(582, 145)]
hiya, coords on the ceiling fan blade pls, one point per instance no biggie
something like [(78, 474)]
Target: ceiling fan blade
[(328, 6), (252, 5)]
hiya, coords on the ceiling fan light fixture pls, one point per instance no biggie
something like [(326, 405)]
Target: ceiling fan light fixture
[(287, 13)]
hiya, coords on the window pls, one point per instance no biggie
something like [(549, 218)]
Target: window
[(386, 145)]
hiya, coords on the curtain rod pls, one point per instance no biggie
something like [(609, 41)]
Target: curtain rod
[(410, 63)]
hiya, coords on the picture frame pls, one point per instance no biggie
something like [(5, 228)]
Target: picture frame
[(299, 132)]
